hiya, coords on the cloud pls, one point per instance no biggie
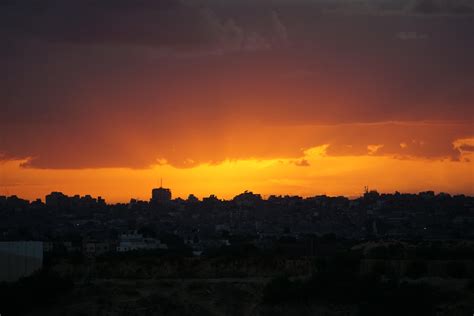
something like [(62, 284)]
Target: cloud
[(455, 7), (302, 163), (326, 175), (402, 140), (385, 7), (144, 144), (407, 36), (280, 30), (373, 149), (232, 37), (89, 84), (426, 7), (464, 146), (179, 26), (468, 148)]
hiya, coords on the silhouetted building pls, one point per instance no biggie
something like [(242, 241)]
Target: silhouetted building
[(57, 199), (192, 199), (247, 199), (161, 195)]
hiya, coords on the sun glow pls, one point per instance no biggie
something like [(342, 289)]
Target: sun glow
[(320, 174)]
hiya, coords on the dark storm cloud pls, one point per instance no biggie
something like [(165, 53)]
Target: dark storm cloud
[(461, 7), (123, 83), (164, 22), (366, 7), (170, 24), (186, 25)]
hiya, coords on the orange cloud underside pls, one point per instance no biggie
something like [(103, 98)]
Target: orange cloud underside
[(319, 174)]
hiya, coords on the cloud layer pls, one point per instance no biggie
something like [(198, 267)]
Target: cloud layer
[(129, 83)]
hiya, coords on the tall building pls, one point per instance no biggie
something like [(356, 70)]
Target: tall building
[(161, 195)]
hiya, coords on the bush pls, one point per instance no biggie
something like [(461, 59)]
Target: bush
[(279, 289), (39, 290), (416, 269), (337, 284), (456, 270)]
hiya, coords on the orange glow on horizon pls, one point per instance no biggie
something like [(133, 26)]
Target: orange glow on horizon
[(314, 173)]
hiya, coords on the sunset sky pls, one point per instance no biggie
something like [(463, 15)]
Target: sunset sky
[(299, 97)]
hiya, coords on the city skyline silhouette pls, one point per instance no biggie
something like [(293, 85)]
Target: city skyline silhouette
[(237, 158)]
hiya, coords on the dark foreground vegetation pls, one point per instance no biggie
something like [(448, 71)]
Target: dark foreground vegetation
[(41, 290), (337, 282), (346, 278)]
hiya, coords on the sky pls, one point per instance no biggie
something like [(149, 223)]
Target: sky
[(300, 97)]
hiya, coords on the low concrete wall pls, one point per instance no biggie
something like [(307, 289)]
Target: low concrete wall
[(19, 259)]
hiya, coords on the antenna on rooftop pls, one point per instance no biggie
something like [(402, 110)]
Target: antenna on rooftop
[(161, 182)]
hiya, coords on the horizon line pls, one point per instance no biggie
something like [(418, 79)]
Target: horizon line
[(264, 197)]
